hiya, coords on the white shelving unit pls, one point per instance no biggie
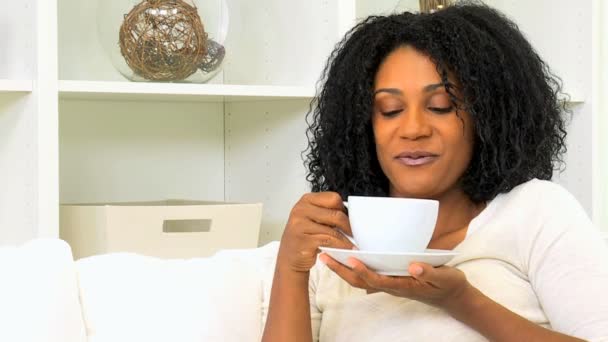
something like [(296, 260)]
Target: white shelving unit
[(16, 86), (28, 121), (72, 129), (113, 90)]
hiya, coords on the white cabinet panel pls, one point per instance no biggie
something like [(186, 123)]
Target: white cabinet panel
[(17, 39), (264, 142), (18, 167), (132, 151)]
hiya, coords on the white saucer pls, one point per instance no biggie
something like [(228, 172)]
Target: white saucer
[(394, 264)]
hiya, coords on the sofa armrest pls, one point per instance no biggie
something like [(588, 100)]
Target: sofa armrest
[(39, 293)]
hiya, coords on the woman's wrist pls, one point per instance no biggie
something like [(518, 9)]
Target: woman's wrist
[(464, 301), (284, 272)]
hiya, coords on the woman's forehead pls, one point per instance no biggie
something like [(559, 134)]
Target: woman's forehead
[(409, 68)]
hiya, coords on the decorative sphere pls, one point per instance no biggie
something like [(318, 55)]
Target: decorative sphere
[(164, 40)]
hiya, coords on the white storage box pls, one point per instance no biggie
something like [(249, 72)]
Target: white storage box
[(167, 229)]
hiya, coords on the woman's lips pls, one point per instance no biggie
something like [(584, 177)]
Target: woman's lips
[(417, 161)]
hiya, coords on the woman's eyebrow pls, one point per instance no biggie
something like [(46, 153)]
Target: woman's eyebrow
[(427, 89), (432, 87), (393, 91)]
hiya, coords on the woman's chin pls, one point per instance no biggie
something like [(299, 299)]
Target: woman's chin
[(419, 190)]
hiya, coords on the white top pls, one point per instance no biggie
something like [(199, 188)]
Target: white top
[(532, 250)]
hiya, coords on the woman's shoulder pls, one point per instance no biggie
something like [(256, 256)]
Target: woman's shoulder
[(541, 196), (538, 187), (529, 220), (534, 206), (542, 207)]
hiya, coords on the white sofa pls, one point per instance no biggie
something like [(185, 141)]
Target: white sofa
[(46, 296)]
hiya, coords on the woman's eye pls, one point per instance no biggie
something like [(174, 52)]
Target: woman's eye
[(441, 110), (391, 112)]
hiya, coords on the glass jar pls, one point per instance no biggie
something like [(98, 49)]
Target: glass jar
[(164, 40)]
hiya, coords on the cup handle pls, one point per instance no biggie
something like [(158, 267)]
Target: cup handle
[(348, 237), (343, 233)]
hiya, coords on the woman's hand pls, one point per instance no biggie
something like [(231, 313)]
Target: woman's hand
[(441, 287), (312, 223)]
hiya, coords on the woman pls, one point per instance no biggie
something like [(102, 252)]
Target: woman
[(454, 106)]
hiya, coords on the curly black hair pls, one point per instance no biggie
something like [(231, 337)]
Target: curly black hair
[(515, 101)]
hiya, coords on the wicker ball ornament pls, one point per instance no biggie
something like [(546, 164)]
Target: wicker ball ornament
[(432, 6), (165, 40)]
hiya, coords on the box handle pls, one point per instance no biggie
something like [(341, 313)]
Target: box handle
[(187, 226)]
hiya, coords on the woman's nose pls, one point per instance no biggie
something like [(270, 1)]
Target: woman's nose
[(414, 124)]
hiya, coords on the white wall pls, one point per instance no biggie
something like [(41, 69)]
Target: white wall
[(573, 23), (601, 107)]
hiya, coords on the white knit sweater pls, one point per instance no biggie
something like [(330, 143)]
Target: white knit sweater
[(533, 250)]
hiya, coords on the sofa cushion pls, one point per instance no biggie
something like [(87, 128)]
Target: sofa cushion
[(39, 293), (129, 297), (263, 259)]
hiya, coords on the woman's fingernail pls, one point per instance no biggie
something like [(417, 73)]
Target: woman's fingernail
[(350, 262), (323, 258), (416, 270)]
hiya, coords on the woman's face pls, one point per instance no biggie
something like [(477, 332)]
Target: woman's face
[(423, 146)]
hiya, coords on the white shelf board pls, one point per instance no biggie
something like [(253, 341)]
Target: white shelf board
[(138, 91), (576, 97), (15, 86)]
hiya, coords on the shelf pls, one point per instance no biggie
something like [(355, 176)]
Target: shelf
[(133, 91), (15, 86), (576, 97)]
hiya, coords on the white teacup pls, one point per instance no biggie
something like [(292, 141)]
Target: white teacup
[(391, 224)]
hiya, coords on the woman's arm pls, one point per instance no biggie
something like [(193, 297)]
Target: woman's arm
[(310, 225), (496, 322), (289, 311)]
